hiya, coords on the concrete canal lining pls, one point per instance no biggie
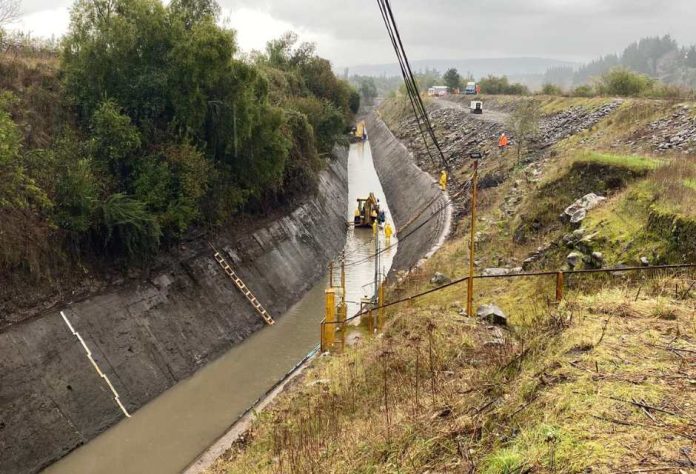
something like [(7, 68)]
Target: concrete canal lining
[(410, 191)]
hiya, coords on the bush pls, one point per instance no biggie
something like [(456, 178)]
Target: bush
[(501, 85), (623, 82), (551, 89), (126, 229), (583, 91), (77, 195), (17, 188), (114, 140)]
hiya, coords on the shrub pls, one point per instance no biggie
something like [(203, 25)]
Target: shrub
[(17, 189), (114, 139), (77, 195), (624, 82), (583, 91), (501, 85), (126, 229), (551, 89)]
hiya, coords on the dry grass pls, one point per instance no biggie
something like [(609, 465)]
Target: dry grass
[(601, 381), (676, 184)]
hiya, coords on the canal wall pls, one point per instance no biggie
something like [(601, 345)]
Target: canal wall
[(420, 210), (148, 334)]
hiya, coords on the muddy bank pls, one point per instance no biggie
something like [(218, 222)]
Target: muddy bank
[(420, 210), (148, 335)]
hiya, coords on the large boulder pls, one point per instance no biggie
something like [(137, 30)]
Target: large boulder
[(577, 211), (495, 271), (492, 314), (573, 259)]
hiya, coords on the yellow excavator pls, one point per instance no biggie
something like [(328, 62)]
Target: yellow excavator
[(368, 212), (358, 133)]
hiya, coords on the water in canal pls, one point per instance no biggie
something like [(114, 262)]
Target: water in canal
[(168, 433)]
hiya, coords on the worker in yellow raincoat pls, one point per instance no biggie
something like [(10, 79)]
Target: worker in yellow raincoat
[(388, 231), (443, 180)]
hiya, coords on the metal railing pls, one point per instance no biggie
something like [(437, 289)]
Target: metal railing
[(560, 278)]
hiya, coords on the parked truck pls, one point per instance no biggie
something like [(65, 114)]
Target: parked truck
[(471, 88)]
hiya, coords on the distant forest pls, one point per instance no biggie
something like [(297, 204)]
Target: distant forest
[(657, 57)]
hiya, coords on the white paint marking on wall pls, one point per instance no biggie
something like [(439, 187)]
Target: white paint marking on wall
[(94, 364)]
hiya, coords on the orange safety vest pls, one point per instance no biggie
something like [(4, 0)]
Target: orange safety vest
[(503, 141)]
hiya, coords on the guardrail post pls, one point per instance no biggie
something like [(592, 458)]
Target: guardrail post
[(559, 287), (329, 319)]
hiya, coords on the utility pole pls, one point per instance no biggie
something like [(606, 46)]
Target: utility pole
[(470, 282), (378, 275), (377, 261)]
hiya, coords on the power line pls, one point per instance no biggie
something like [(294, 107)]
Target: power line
[(422, 118)]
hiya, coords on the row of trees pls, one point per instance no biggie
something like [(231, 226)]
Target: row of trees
[(169, 129), (490, 84)]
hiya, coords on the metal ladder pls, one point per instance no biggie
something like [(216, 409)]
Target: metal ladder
[(242, 287)]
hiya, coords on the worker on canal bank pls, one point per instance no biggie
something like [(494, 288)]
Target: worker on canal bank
[(443, 180), (503, 142), (388, 232)]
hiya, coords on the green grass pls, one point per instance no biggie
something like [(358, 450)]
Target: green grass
[(634, 163), (503, 461)]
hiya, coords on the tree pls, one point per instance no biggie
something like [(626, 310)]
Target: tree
[(524, 124), (9, 11), (368, 90), (452, 79)]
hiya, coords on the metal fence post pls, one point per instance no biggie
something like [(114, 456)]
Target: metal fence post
[(559, 287)]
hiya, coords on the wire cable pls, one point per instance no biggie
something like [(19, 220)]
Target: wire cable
[(422, 119)]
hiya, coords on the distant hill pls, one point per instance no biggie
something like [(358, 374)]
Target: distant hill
[(476, 67)]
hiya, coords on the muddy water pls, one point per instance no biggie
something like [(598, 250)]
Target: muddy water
[(168, 433)]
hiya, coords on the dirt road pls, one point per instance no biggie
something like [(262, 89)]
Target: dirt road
[(488, 115)]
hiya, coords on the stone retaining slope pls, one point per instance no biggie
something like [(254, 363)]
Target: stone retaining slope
[(148, 335), (408, 190)]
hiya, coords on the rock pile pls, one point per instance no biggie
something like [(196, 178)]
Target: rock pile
[(676, 132), (574, 120)]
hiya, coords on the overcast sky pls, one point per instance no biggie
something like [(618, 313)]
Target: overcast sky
[(351, 32)]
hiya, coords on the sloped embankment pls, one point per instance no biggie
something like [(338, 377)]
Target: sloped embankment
[(420, 209), (147, 335)]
